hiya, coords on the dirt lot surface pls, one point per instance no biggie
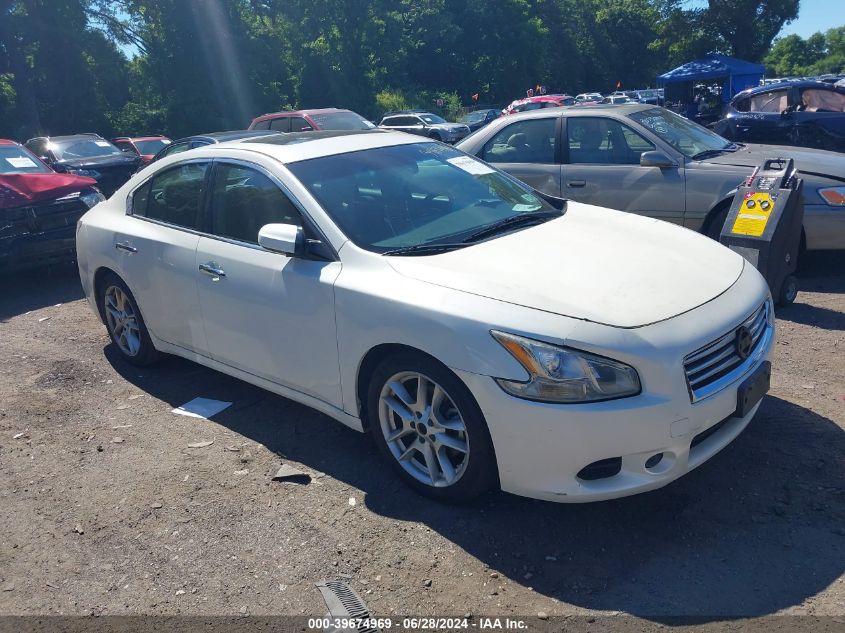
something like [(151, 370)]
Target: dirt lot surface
[(107, 511)]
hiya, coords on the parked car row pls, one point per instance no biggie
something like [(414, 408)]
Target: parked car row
[(632, 157)]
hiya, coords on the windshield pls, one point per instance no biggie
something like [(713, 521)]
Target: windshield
[(83, 148), (472, 117), (432, 118), (15, 159), (342, 121), (409, 195), (687, 137), (151, 147), (648, 94)]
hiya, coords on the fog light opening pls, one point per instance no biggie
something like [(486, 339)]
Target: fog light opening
[(653, 461)]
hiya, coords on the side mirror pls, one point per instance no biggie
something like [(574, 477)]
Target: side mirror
[(287, 239), (656, 159)]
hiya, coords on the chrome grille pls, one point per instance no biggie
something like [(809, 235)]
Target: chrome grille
[(719, 363)]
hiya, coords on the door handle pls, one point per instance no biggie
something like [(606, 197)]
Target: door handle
[(576, 183), (212, 269), (126, 246)]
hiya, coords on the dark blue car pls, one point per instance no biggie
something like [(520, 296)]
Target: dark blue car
[(802, 113)]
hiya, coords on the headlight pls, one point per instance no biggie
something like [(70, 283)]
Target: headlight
[(92, 198), (91, 173), (559, 374), (834, 196)]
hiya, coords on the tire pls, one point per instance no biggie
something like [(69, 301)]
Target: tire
[(788, 291), (447, 456), (714, 227), (124, 322)]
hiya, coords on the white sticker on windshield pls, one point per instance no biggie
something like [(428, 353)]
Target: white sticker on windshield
[(166, 141), (21, 162), (102, 143), (470, 165), (522, 208)]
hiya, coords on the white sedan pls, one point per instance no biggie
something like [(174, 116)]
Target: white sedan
[(483, 334)]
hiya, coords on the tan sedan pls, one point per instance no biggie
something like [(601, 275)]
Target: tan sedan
[(650, 161)]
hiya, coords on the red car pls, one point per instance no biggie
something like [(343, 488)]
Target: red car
[(535, 103), (309, 120), (145, 146), (39, 209)]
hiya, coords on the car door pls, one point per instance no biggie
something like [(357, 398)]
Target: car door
[(528, 149), (265, 313), (819, 118), (602, 167), (157, 252), (765, 121)]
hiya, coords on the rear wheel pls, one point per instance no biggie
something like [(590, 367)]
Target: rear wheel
[(428, 425), (124, 322)]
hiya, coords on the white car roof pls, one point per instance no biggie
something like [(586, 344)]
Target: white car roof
[(294, 147)]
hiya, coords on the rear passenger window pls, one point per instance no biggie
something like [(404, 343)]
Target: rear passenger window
[(298, 124), (244, 200), (281, 124), (530, 141), (174, 196), (262, 125)]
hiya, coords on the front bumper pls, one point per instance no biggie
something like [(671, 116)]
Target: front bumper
[(541, 448)]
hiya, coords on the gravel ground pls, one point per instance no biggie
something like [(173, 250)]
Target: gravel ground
[(108, 511)]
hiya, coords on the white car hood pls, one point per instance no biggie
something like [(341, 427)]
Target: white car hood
[(595, 264)]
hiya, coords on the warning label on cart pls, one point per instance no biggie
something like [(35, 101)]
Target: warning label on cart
[(752, 218)]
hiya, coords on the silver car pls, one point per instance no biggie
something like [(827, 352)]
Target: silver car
[(648, 160)]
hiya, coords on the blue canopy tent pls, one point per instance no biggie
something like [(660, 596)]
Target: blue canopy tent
[(736, 74)]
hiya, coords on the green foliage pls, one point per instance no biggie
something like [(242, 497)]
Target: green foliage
[(819, 54), (205, 65)]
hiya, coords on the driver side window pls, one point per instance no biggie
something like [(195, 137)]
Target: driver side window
[(244, 199), (173, 196)]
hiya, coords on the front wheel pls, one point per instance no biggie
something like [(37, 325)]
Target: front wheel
[(429, 427)]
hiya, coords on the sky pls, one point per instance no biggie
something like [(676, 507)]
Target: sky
[(816, 15)]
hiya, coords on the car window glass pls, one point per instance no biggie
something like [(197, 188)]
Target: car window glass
[(815, 100), (282, 124), (774, 101), (397, 196), (15, 159), (243, 200), (603, 141), (176, 148), (743, 105), (262, 125), (531, 141), (298, 124), (175, 195)]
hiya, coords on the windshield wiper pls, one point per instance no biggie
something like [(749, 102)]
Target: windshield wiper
[(424, 248), (708, 153), (511, 222)]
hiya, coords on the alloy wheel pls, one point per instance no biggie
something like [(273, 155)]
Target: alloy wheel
[(423, 429), (122, 321)]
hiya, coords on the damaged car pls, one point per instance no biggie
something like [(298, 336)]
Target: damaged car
[(38, 209)]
